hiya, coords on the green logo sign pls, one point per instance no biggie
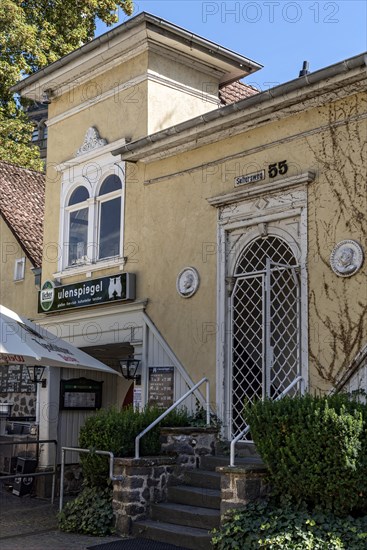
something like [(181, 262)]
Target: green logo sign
[(47, 295), (88, 293)]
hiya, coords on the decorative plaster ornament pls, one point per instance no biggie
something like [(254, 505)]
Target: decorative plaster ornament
[(187, 282), (91, 141), (346, 258)]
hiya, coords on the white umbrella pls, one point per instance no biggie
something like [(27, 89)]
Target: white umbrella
[(24, 343)]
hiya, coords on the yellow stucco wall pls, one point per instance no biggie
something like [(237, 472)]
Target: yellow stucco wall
[(20, 296), (169, 224), (176, 227)]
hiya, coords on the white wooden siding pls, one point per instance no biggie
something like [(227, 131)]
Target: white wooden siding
[(156, 353), (70, 422), (158, 357)]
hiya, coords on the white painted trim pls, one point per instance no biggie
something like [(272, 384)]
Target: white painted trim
[(79, 173), (189, 90), (303, 245), (98, 312), (92, 156), (221, 314), (175, 361), (98, 99), (258, 217), (217, 136), (121, 87), (19, 269), (254, 190), (226, 264)]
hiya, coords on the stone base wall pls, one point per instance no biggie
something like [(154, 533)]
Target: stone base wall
[(189, 445), (24, 405), (242, 485), (145, 481)]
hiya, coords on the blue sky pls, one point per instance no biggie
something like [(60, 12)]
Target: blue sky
[(279, 34)]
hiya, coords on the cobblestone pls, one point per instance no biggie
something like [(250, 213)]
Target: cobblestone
[(28, 523)]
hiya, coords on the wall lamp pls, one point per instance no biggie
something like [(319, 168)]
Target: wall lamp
[(129, 368), (36, 374)]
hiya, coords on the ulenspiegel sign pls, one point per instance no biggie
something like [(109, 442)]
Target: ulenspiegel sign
[(88, 293)]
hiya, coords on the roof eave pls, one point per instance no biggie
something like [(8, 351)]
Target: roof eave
[(235, 65), (137, 150)]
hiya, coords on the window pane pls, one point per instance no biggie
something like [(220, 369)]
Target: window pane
[(35, 134), (78, 235), (109, 233), (79, 195), (111, 183)]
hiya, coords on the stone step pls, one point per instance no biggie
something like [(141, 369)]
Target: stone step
[(213, 462), (202, 478), (244, 449), (194, 496), (182, 514), (180, 535)]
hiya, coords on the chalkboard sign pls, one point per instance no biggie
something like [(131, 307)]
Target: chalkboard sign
[(80, 394), (15, 379), (160, 388)]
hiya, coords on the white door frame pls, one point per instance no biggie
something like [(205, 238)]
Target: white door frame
[(242, 217)]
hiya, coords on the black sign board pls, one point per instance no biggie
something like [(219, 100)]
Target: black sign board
[(160, 388), (87, 293), (80, 394), (15, 379)]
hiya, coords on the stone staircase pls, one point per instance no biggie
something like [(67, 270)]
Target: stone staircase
[(192, 509)]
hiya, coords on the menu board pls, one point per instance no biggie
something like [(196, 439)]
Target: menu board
[(15, 379), (80, 394), (160, 387)]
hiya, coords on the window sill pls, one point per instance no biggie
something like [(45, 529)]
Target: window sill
[(85, 269)]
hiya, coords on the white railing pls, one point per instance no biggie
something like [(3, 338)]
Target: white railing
[(163, 415), (239, 437)]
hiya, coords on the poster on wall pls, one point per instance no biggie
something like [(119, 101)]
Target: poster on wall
[(160, 386)]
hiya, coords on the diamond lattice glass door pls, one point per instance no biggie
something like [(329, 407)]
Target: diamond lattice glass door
[(265, 324)]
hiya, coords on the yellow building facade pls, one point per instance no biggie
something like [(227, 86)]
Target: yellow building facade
[(21, 232), (207, 241)]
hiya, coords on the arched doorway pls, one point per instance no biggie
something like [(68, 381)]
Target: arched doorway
[(265, 323)]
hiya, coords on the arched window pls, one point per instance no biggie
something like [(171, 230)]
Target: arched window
[(78, 226), (109, 226), (35, 134), (44, 130)]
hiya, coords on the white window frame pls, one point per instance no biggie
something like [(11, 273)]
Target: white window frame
[(100, 199), (79, 172), (69, 210), (19, 265)]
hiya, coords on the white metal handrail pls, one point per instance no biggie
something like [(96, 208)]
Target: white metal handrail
[(245, 431), (171, 408), (79, 450)]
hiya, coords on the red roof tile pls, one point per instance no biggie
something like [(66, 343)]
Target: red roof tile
[(22, 198), (235, 92)]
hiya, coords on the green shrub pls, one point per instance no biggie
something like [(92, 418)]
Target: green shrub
[(285, 528), (115, 431), (315, 448), (90, 513)]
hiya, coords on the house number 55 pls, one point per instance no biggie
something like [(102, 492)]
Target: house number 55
[(277, 168)]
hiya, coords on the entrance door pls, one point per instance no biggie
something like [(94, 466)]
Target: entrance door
[(265, 337)]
